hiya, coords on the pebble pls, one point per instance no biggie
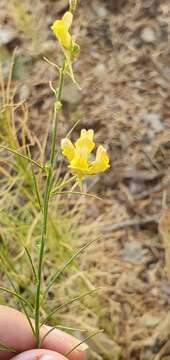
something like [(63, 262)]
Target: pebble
[(133, 250), (6, 35), (100, 71), (148, 35), (150, 320), (155, 121), (101, 11)]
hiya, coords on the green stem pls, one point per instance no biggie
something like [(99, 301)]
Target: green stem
[(47, 192)]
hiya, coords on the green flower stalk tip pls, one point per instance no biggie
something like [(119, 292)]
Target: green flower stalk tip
[(73, 5)]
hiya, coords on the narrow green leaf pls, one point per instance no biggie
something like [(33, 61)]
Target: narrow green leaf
[(76, 193), (67, 328), (31, 262), (48, 317), (83, 341), (17, 295), (35, 181), (22, 156), (56, 275)]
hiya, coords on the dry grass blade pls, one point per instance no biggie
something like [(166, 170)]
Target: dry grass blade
[(164, 230)]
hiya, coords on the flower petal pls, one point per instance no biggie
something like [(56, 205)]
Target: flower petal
[(67, 18), (84, 145), (87, 133), (101, 162), (68, 149), (60, 30)]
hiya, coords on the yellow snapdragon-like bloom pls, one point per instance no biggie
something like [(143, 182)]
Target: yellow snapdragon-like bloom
[(61, 30), (78, 155), (69, 47)]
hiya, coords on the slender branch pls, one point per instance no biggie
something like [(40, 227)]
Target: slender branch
[(75, 193), (17, 295), (35, 181), (83, 341), (130, 222), (22, 156), (62, 184), (56, 275), (60, 327), (73, 127), (48, 317), (31, 262)]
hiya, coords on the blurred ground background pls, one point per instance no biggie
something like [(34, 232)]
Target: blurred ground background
[(124, 72)]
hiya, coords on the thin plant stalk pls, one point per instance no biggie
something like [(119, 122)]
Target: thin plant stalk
[(47, 192)]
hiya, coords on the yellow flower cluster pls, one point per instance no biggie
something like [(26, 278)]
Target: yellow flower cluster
[(78, 155), (69, 47)]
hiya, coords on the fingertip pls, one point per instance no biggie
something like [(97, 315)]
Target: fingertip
[(39, 354), (64, 343)]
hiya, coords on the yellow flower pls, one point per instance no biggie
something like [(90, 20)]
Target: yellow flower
[(69, 47), (68, 149), (61, 30), (78, 155)]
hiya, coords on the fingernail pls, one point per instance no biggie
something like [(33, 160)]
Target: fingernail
[(47, 357)]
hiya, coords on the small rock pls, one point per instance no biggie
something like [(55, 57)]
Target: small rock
[(133, 250), (101, 11), (6, 35), (150, 320), (100, 71), (148, 35), (71, 94), (24, 92), (155, 121)]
